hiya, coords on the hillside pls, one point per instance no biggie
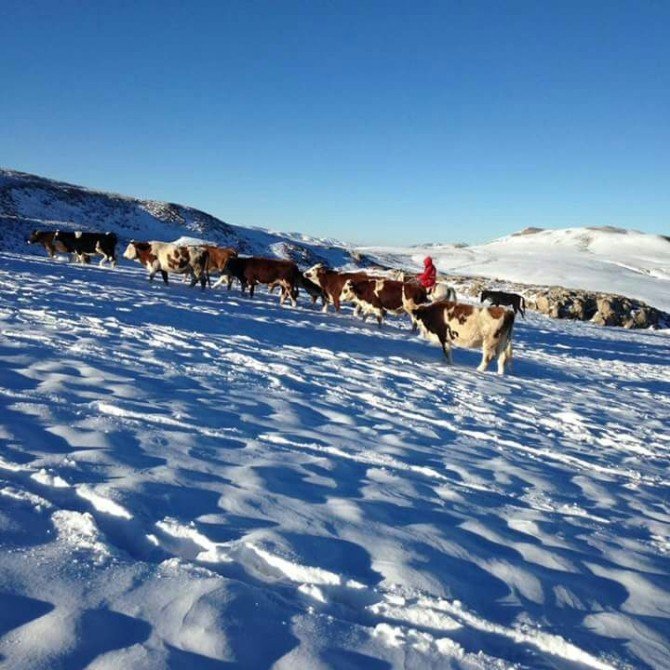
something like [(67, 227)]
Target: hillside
[(28, 202), (195, 479), (610, 260)]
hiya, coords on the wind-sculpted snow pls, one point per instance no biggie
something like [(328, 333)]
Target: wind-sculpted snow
[(197, 479)]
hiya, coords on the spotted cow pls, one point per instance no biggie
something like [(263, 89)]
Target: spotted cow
[(467, 326), (167, 258)]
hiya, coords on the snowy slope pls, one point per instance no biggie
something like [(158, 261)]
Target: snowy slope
[(28, 202), (200, 480), (611, 260)]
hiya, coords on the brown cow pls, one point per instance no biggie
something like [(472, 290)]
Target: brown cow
[(46, 239), (331, 282), (164, 257), (467, 326), (217, 259), (255, 270)]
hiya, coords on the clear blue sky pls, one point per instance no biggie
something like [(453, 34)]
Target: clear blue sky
[(382, 122)]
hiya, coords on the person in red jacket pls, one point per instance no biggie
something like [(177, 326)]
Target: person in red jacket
[(429, 274)]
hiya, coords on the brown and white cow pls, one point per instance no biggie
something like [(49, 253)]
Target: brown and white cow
[(217, 260), (167, 258), (312, 289), (362, 293), (46, 239), (467, 326), (256, 270), (331, 282), (390, 292)]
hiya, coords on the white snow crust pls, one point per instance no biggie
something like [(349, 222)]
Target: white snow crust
[(197, 479)]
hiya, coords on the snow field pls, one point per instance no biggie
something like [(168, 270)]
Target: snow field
[(198, 479)]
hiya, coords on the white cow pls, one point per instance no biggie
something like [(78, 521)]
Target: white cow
[(467, 326), (164, 257)]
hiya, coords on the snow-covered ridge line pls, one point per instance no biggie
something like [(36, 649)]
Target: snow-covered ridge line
[(29, 201), (608, 260)]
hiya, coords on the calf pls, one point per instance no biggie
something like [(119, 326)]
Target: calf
[(164, 257), (467, 326), (514, 300), (84, 245), (331, 282), (390, 293), (217, 260), (46, 239), (254, 270)]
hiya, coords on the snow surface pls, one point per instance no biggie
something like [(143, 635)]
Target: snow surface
[(197, 479), (611, 260)]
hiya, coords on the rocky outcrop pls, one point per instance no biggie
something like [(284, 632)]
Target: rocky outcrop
[(604, 309)]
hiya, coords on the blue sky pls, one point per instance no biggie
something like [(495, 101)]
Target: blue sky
[(374, 122)]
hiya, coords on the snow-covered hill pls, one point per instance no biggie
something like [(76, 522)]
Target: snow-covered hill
[(611, 260), (28, 202), (198, 480)]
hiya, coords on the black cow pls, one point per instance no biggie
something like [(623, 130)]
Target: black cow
[(513, 300), (84, 245)]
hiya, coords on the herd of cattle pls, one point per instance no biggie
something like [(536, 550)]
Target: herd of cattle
[(438, 315)]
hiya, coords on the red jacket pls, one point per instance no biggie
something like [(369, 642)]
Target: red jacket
[(427, 277)]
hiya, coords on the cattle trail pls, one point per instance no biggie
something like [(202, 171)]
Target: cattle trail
[(198, 479)]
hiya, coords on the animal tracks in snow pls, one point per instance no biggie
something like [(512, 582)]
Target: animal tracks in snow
[(219, 479)]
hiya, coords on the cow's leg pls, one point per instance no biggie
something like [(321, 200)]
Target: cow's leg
[(282, 295), (230, 282), (293, 294), (336, 302), (380, 317), (326, 299), (505, 359), (252, 287), (164, 275), (487, 356)]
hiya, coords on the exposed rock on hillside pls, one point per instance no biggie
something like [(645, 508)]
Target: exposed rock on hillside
[(605, 309)]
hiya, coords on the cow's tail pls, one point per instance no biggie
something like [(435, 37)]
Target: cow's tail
[(505, 340)]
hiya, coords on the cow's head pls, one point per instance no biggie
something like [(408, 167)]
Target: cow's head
[(315, 273), (34, 237), (131, 251), (348, 291), (408, 302)]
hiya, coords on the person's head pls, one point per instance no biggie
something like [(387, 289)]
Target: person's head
[(427, 261)]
